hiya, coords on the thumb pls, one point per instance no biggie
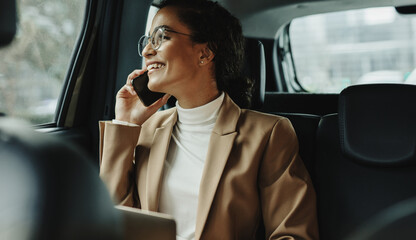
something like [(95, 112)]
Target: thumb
[(160, 102)]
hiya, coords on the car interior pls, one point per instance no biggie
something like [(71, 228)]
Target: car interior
[(358, 143)]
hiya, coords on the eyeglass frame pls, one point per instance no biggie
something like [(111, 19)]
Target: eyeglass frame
[(145, 37)]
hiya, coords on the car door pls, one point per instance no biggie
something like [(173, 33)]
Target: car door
[(65, 65)]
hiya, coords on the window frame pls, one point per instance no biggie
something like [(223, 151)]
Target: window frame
[(283, 60), (75, 66), (289, 74)]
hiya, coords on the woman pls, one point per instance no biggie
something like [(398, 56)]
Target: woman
[(221, 171)]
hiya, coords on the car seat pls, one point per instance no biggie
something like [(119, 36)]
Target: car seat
[(366, 156), (49, 190)]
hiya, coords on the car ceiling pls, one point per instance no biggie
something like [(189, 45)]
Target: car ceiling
[(257, 15)]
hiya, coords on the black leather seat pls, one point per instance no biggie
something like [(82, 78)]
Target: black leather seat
[(306, 126), (395, 222), (366, 159), (255, 69), (49, 190)]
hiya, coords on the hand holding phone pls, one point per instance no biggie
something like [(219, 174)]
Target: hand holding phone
[(146, 96)]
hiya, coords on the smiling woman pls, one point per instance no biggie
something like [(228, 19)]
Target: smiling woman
[(221, 171), (34, 66)]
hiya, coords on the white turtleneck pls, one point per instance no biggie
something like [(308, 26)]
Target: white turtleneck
[(184, 165)]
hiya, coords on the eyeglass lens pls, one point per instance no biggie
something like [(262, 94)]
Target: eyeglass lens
[(155, 40)]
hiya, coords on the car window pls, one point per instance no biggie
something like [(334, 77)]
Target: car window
[(334, 50), (34, 66)]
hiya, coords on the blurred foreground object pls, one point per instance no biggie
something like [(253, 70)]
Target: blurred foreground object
[(8, 21), (49, 190), (395, 222)]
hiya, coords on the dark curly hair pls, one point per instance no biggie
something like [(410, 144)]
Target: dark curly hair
[(212, 24)]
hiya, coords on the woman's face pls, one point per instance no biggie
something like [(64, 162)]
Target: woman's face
[(172, 68)]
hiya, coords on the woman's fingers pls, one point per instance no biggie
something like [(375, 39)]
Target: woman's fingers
[(131, 89), (126, 92), (128, 106), (165, 98), (130, 77), (134, 74), (160, 102)]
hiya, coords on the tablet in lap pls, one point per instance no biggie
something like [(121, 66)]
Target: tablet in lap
[(140, 224)]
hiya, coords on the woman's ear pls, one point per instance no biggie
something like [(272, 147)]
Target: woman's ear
[(206, 55)]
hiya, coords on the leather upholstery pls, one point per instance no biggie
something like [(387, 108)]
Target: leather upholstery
[(255, 68), (395, 222), (377, 124), (49, 190), (356, 177), (306, 126)]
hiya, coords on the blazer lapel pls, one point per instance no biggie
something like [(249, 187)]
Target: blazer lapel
[(221, 143), (157, 157)]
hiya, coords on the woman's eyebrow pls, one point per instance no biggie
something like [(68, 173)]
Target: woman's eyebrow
[(164, 26), (160, 26)]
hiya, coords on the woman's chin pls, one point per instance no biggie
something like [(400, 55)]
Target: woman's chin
[(158, 81), (155, 86)]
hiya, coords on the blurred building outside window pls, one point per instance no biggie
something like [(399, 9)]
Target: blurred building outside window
[(334, 50), (34, 66)]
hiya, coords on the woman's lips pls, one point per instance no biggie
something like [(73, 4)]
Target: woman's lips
[(154, 67)]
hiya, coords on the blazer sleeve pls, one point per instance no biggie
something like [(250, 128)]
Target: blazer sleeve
[(117, 169), (286, 191)]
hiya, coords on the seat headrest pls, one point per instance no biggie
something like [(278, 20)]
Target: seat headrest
[(50, 190), (378, 123), (255, 68)]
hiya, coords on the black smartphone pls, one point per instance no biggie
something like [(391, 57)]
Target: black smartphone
[(140, 86)]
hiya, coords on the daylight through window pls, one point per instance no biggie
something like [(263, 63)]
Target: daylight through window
[(332, 51), (34, 66)]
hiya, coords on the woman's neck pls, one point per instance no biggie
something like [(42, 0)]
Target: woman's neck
[(197, 100), (195, 96), (203, 115)]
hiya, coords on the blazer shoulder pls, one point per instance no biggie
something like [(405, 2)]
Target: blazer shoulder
[(262, 118), (160, 118), (253, 121)]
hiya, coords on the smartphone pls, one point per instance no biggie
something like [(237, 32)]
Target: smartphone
[(145, 95)]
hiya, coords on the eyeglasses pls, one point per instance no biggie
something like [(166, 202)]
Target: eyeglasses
[(156, 39)]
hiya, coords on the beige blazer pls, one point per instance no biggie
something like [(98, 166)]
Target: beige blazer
[(253, 182)]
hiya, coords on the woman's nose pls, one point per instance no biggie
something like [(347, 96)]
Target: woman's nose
[(148, 50)]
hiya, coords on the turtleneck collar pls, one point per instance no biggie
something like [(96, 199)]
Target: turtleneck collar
[(204, 114)]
